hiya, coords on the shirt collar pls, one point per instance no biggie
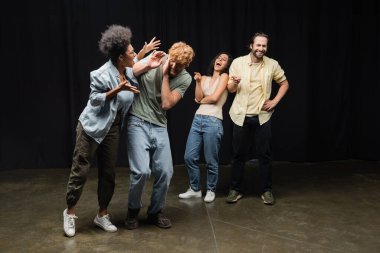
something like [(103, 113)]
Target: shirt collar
[(114, 70), (249, 61)]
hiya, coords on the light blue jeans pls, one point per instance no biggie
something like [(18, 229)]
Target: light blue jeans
[(206, 131), (148, 152)]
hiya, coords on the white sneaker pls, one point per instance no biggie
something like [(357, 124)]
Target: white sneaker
[(190, 193), (210, 196), (69, 223), (105, 223)]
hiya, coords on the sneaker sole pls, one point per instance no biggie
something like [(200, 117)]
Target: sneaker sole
[(191, 197), (266, 202), (160, 226), (209, 200), (235, 200), (67, 235), (130, 226)]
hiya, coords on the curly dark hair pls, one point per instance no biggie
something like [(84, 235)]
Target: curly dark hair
[(115, 41), (210, 69)]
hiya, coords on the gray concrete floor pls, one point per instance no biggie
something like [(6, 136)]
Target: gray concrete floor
[(321, 207)]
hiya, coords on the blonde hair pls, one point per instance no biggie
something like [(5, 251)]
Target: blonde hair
[(181, 53)]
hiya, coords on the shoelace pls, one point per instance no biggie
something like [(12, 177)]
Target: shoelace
[(162, 217), (72, 220), (107, 220)]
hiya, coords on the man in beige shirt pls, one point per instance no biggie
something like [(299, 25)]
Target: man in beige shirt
[(251, 78)]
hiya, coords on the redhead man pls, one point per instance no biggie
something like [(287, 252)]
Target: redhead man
[(163, 81)]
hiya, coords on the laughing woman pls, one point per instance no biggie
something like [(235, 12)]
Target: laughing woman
[(98, 129), (207, 127)]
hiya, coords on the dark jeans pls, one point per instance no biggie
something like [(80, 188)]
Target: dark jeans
[(84, 152), (242, 139)]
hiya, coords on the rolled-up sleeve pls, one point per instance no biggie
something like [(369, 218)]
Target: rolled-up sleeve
[(232, 71), (98, 92), (279, 74)]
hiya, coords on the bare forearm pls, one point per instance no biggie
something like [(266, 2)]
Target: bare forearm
[(216, 95), (140, 68), (284, 86), (110, 94), (232, 87), (166, 94), (141, 54), (198, 92), (208, 100), (154, 61)]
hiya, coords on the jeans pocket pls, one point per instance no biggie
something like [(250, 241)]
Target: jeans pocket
[(135, 122)]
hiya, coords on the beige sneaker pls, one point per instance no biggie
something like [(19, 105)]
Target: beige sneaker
[(190, 193), (210, 196)]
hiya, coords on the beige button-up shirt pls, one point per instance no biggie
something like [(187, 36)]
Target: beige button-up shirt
[(269, 70)]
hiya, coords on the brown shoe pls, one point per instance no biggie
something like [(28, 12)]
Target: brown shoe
[(233, 196), (160, 220), (268, 198), (132, 222)]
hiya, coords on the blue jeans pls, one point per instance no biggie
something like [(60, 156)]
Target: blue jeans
[(207, 131), (148, 152)]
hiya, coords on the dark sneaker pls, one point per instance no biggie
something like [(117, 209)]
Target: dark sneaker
[(132, 222), (233, 196), (160, 220), (268, 198)]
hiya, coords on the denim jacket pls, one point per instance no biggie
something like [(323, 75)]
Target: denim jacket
[(99, 114)]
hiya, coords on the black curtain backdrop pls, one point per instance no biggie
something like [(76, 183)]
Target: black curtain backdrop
[(329, 50)]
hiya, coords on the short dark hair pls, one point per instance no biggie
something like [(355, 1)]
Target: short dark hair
[(210, 69), (258, 34), (115, 41)]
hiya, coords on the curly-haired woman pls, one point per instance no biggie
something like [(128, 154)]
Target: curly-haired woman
[(98, 129)]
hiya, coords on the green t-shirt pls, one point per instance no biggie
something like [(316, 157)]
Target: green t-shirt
[(147, 104)]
